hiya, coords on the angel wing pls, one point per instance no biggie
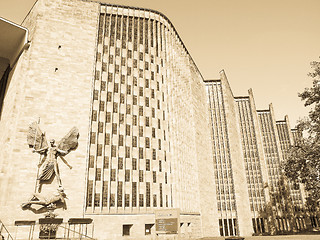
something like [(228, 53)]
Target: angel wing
[(70, 141), (35, 138)]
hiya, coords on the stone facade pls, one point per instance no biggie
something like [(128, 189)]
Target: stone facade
[(153, 133), (52, 81)]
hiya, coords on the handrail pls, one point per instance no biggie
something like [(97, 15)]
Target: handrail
[(80, 234), (5, 234), (2, 226)]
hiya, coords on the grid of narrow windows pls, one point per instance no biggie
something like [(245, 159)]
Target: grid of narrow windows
[(228, 227), (126, 79), (251, 156), (270, 148), (221, 157)]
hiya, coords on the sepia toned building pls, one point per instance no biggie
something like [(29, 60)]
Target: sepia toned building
[(155, 137)]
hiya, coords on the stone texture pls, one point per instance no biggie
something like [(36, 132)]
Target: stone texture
[(59, 80), (54, 84)]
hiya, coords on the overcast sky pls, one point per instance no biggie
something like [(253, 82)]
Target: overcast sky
[(266, 45)]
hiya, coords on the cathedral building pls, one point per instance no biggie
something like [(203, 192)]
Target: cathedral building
[(160, 151)]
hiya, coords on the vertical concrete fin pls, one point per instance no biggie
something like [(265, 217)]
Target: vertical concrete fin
[(263, 163), (236, 155)]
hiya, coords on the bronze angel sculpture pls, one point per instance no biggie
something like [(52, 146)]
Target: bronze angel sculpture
[(48, 165)]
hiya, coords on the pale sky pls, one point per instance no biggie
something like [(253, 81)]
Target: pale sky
[(266, 45)]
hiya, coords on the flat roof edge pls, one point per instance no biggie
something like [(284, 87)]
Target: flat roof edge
[(14, 24)]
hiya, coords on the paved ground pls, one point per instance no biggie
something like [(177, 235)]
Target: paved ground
[(286, 237)]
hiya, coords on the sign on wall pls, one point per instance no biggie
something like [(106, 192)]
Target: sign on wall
[(167, 221)]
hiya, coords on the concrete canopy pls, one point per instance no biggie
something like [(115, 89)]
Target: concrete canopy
[(12, 40)]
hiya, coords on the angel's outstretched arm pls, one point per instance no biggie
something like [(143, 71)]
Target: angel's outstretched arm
[(62, 158)]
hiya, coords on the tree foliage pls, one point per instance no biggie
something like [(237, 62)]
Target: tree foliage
[(303, 163), (280, 206)]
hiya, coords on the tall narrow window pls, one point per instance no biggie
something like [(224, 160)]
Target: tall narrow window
[(154, 176), (134, 194), (147, 164), (134, 164), (119, 194), (140, 200), (147, 194), (140, 175)]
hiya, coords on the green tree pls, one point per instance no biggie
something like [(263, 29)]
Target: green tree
[(280, 206), (303, 163)]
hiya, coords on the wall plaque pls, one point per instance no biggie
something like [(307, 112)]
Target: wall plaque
[(167, 221)]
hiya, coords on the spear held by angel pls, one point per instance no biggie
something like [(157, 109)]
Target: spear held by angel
[(49, 165)]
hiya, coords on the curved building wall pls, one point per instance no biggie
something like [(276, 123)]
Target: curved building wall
[(125, 79), (128, 166), (148, 114)]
